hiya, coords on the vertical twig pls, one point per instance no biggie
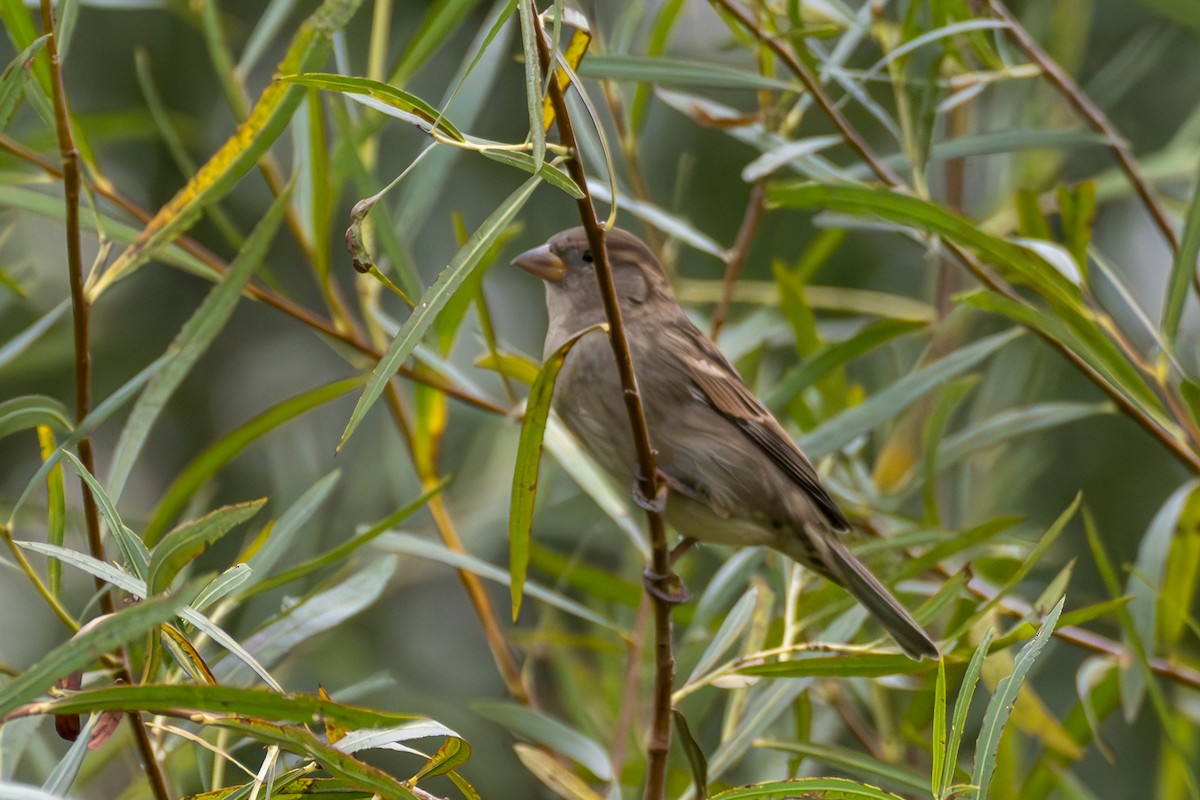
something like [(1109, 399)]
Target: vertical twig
[(81, 316), (735, 257), (659, 572)]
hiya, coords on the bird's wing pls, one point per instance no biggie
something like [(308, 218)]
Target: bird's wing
[(728, 394)]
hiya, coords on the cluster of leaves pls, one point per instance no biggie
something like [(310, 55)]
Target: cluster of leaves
[(783, 677)]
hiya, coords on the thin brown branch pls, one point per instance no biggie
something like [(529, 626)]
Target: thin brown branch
[(735, 257), (1094, 116), (1178, 448), (81, 317), (648, 483)]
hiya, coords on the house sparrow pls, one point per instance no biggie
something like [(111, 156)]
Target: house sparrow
[(732, 473)]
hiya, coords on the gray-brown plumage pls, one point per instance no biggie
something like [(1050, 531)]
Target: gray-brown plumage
[(734, 475)]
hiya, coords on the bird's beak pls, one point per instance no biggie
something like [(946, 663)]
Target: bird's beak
[(542, 262)]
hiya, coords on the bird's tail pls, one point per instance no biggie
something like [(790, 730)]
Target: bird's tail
[(875, 597)]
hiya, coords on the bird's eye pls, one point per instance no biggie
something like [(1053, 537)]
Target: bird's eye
[(587, 256)]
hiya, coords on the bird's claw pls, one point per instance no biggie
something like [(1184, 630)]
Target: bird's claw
[(669, 588), (659, 504)]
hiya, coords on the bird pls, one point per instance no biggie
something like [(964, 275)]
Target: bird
[(732, 474)]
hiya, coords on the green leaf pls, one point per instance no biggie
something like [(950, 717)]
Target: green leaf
[(732, 626), (844, 758), (840, 665), (135, 552), (677, 72), (901, 209), (1183, 270), (549, 732), (191, 343), (999, 708), (962, 706), (109, 633), (697, 761), (21, 342), (281, 536), (179, 547), (410, 545), (1145, 586), (807, 787), (25, 413), (528, 464), (886, 404), (382, 97), (940, 739), (221, 452), (181, 699), (13, 79), (451, 278), (441, 21), (835, 355), (525, 162)]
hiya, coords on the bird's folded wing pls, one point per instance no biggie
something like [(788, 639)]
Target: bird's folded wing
[(728, 394)]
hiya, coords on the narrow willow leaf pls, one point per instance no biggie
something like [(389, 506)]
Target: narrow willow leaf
[(82, 650), (13, 79), (660, 218), (282, 535), (1011, 423), (558, 777), (531, 29), (19, 791), (940, 740), (179, 699), (387, 99), (527, 163), (884, 405), (841, 665), (771, 161), (221, 452), (550, 733), (835, 355), (1000, 707), (1145, 586), (528, 464), (31, 411), (891, 206), (810, 787), (408, 544), (1183, 270), (179, 547), (962, 706), (266, 121), (67, 769), (731, 628), (220, 586), (191, 343), (21, 342), (853, 761), (451, 278), (321, 612), (677, 72), (697, 761), (135, 552)]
